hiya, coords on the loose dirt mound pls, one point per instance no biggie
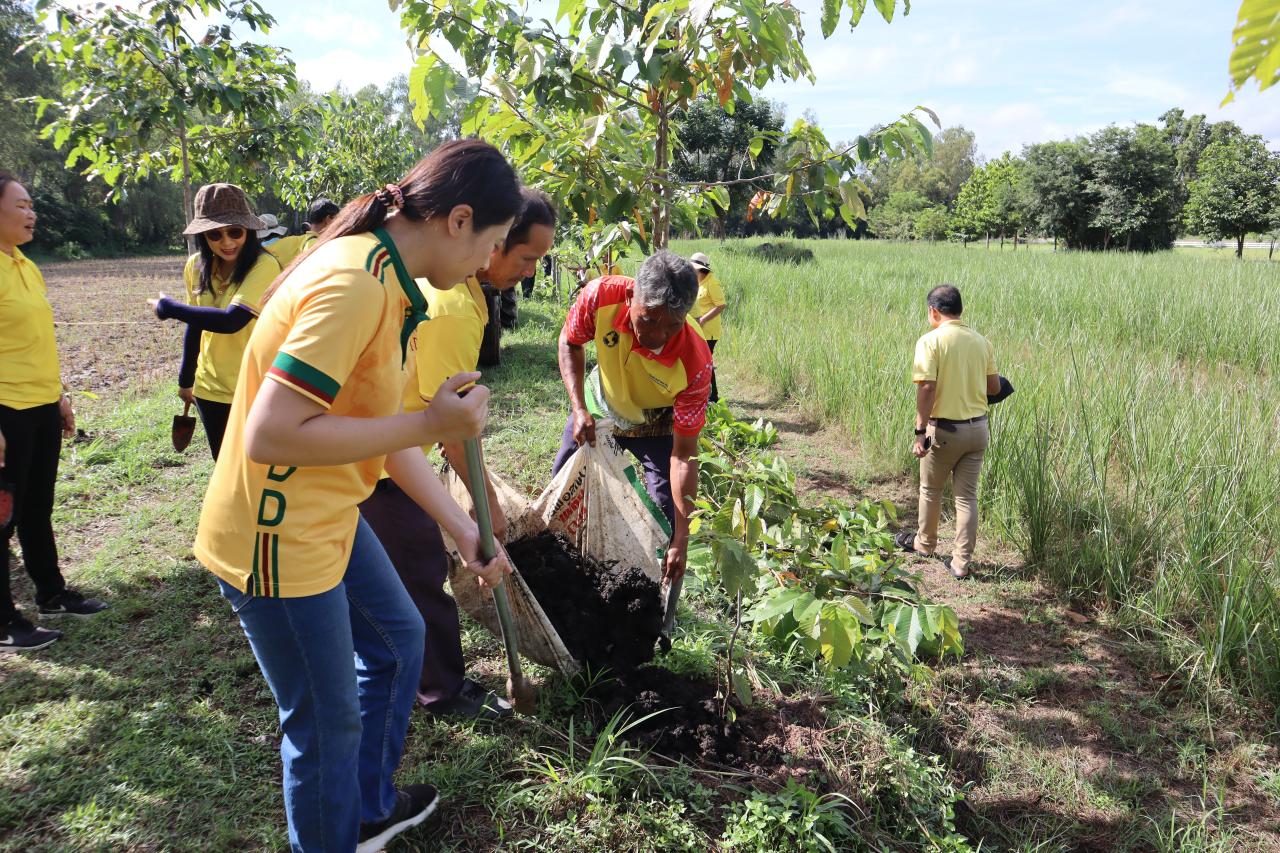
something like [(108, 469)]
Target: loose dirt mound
[(764, 740), (606, 616)]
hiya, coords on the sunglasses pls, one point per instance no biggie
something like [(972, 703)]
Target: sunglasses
[(215, 236)]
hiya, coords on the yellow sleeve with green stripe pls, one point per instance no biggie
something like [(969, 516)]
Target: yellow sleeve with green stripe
[(332, 327)]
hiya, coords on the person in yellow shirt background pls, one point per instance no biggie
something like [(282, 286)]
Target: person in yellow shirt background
[(319, 214), (954, 372), (34, 416), (225, 281), (707, 309), (317, 416), (447, 344)]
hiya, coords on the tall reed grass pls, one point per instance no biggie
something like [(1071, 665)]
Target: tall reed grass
[(1137, 463)]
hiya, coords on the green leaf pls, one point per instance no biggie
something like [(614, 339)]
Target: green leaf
[(886, 8), (736, 566), (856, 8), (830, 16), (1256, 46), (780, 601), (742, 687)]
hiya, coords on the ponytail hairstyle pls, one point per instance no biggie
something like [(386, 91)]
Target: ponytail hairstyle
[(464, 171), (248, 256)]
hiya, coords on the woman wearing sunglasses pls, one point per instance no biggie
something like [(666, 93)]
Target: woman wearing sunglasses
[(225, 283)]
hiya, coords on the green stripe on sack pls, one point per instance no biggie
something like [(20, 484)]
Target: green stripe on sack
[(299, 369), (659, 516)]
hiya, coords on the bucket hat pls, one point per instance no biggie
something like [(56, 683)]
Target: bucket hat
[(700, 261), (272, 228), (220, 205)]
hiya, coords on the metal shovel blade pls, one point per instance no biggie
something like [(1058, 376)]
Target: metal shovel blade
[(184, 427)]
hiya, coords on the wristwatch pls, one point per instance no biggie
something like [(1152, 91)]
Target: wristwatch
[(920, 432)]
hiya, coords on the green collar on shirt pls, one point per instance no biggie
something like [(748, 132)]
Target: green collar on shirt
[(417, 310)]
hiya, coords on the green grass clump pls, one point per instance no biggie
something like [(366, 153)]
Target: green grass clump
[(1136, 464)]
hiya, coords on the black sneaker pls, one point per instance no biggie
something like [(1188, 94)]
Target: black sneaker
[(414, 804), (21, 636), (473, 702), (71, 603)]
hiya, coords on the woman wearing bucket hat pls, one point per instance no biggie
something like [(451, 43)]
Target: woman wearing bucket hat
[(34, 417), (707, 308), (225, 282)]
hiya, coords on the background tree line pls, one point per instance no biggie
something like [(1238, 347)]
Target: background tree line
[(1132, 188)]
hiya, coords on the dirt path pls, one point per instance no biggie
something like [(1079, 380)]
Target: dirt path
[(1068, 734)]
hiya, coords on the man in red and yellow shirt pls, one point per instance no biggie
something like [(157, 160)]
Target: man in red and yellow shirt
[(653, 378)]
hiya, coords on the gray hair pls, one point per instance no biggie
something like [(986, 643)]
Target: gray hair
[(666, 280)]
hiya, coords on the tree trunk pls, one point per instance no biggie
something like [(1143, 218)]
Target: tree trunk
[(988, 239), (188, 202), (1240, 246), (1002, 239), (661, 205), (1272, 250), (1015, 239)]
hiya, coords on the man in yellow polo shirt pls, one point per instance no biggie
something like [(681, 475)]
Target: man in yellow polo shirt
[(708, 308), (954, 371), (653, 379), (447, 344), (319, 214)]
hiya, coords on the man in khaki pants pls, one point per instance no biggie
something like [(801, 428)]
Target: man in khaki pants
[(954, 371)]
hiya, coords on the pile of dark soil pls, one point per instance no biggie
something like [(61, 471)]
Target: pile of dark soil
[(606, 616), (772, 739)]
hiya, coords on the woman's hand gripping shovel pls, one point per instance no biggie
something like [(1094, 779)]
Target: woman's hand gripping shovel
[(521, 693)]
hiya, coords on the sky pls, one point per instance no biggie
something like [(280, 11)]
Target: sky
[(1013, 72)]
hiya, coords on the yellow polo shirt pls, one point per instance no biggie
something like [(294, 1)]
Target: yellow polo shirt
[(335, 331), (451, 337), (29, 372), (959, 360), (287, 248), (220, 354), (710, 295), (447, 342)]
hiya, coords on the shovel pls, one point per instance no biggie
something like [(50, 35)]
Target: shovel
[(519, 690), (184, 426), (669, 613)]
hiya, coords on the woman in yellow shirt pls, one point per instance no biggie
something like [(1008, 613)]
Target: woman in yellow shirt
[(34, 415), (316, 418), (225, 281)]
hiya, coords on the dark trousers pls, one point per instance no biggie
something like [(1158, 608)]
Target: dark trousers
[(214, 418), (412, 540), (715, 389), (654, 455), (33, 440)]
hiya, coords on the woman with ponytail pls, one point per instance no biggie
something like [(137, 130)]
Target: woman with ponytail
[(315, 418)]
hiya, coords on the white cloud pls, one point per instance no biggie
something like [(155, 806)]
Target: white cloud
[(1146, 87), (353, 70), (341, 27)]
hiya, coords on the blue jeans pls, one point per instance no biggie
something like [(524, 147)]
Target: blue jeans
[(343, 667)]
